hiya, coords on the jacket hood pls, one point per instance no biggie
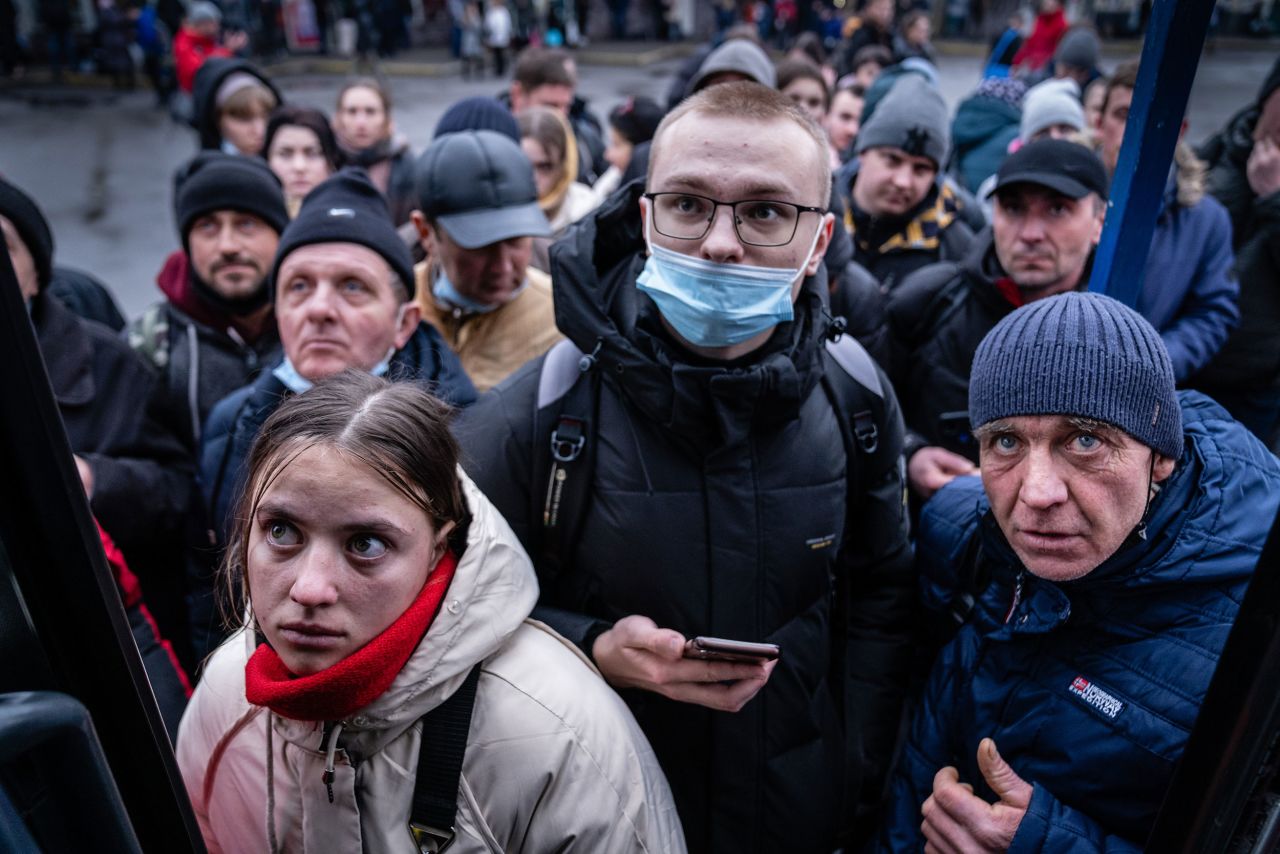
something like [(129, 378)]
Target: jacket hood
[(739, 56), (1235, 141), (598, 307), (492, 592), (980, 118), (1199, 530), (205, 88)]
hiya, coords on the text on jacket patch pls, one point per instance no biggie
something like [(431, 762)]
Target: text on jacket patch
[(1096, 697)]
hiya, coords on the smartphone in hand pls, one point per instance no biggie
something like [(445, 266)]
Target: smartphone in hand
[(720, 649)]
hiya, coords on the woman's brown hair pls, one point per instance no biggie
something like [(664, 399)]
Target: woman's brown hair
[(397, 429)]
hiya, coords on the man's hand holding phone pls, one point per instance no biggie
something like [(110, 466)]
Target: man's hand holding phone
[(635, 653)]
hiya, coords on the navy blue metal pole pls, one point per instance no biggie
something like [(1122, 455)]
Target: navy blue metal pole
[(1170, 54)]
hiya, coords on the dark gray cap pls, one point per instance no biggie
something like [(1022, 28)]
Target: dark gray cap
[(479, 186)]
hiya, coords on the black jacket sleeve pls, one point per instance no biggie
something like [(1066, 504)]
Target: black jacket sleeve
[(143, 475)]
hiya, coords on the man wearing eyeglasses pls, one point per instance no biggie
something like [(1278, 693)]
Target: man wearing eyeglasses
[(734, 462)]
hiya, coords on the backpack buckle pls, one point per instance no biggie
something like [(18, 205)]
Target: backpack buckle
[(865, 432), (568, 439), (430, 840)]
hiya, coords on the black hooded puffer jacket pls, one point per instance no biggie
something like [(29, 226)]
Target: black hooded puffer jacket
[(718, 506)]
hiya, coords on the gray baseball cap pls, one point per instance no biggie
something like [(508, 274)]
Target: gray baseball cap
[(479, 186)]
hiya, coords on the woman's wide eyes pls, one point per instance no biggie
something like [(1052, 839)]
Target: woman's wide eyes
[(368, 546), (282, 534)]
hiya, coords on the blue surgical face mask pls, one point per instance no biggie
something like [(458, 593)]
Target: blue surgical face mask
[(717, 305), (445, 293)]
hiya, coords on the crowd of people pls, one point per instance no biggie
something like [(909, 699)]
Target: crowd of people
[(752, 471)]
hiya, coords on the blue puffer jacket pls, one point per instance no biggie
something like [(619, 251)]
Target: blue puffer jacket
[(1190, 290), (1090, 687)]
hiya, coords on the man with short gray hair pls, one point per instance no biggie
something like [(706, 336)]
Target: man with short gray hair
[(1097, 568)]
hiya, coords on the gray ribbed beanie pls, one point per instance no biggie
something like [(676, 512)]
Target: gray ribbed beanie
[(1079, 354), (912, 117)]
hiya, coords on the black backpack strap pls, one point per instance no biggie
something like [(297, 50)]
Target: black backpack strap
[(565, 420), (854, 389), (435, 790)]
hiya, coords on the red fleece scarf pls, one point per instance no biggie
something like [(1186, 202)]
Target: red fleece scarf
[(336, 692)]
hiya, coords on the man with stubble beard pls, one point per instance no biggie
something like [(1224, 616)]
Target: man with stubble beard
[(1050, 200)]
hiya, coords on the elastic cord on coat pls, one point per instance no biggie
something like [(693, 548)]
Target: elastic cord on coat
[(193, 383), (329, 773), (1152, 489), (272, 842)]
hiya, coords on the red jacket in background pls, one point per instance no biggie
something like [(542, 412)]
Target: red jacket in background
[(1036, 51), (190, 50)]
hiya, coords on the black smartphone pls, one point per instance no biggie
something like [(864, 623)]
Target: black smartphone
[(719, 649)]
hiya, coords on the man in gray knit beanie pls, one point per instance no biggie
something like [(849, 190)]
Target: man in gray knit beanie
[(1072, 401), (901, 216), (1095, 570)]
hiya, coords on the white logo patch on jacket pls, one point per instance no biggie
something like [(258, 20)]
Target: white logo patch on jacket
[(1096, 697)]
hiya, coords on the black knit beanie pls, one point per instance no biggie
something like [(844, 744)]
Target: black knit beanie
[(19, 208), (214, 181), (347, 208), (1079, 354)]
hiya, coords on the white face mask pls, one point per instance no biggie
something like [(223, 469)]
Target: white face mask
[(712, 304)]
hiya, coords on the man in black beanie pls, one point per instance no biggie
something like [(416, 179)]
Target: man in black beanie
[(215, 330), (134, 470), (343, 288)]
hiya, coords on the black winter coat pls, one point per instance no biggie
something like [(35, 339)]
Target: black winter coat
[(937, 318), (198, 365), (143, 487), (719, 506), (1250, 360)]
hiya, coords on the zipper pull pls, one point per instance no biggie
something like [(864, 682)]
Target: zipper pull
[(1017, 598), (331, 737)]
